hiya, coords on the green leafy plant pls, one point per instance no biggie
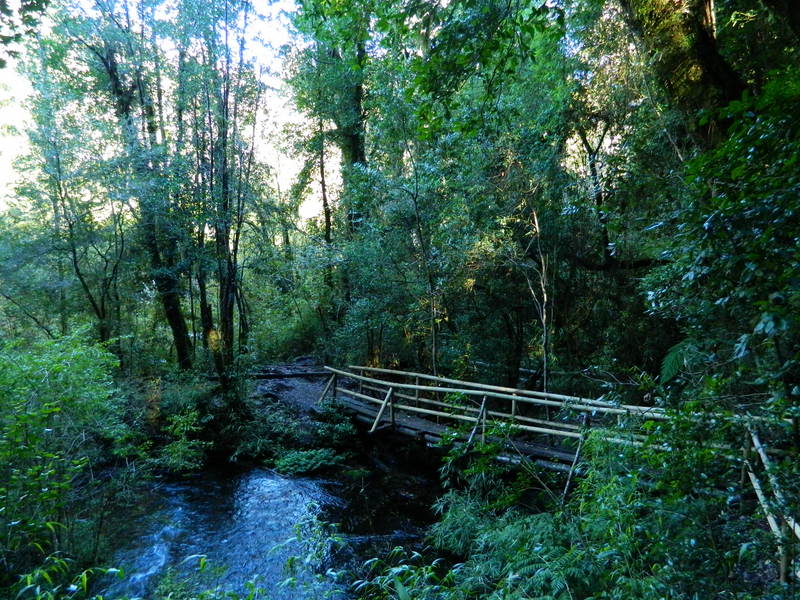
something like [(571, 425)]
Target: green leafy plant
[(58, 416), (300, 462)]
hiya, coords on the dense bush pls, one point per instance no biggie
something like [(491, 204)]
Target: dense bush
[(59, 418)]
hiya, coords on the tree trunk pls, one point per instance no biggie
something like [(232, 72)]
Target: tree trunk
[(680, 35), (164, 275)]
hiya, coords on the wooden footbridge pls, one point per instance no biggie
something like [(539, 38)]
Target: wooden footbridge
[(547, 428)]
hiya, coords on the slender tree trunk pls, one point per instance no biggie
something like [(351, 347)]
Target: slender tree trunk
[(163, 271), (326, 210)]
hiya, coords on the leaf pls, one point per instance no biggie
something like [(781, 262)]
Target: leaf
[(674, 361), (402, 592), (744, 548)]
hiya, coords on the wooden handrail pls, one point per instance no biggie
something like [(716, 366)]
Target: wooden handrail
[(566, 403), (633, 441), (651, 412), (518, 391), (460, 417), (474, 408)]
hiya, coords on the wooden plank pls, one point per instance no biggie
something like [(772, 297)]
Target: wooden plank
[(515, 460)]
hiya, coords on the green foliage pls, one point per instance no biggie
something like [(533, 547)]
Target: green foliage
[(177, 415), (18, 20), (643, 523), (512, 177), (403, 573), (303, 462), (732, 280), (295, 443), (58, 416), (203, 584), (184, 452), (55, 579)]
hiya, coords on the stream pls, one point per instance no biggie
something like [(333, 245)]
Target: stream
[(243, 528), (243, 525)]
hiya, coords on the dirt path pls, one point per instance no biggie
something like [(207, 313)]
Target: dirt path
[(301, 393)]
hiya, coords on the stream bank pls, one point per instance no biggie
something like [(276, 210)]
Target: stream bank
[(244, 524)]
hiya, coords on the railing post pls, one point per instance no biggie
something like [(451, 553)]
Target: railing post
[(391, 406), (483, 423), (514, 408), (745, 459), (416, 391), (478, 420), (361, 383)]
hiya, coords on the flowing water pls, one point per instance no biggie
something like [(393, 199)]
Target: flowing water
[(245, 526)]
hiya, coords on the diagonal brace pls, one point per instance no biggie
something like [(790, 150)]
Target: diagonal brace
[(386, 401)]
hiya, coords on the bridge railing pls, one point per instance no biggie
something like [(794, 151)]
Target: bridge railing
[(462, 401), (455, 400), (549, 399)]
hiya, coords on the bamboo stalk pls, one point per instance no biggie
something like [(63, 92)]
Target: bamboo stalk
[(762, 500), (773, 524), (475, 409), (466, 418), (572, 470), (474, 429), (651, 412), (545, 430), (496, 415), (422, 399), (483, 421)]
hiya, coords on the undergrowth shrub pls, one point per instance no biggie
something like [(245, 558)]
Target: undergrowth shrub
[(60, 418), (177, 415), (642, 522), (301, 462), (205, 582)]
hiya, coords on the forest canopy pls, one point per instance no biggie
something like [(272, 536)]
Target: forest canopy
[(595, 197)]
